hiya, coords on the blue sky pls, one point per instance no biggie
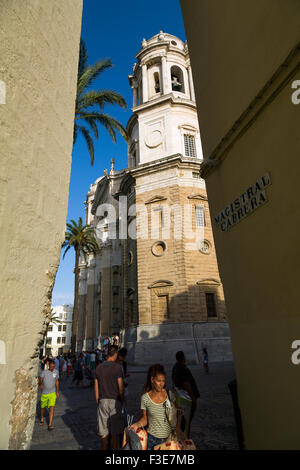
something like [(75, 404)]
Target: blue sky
[(112, 30)]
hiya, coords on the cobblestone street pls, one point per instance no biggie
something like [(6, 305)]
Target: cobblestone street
[(75, 424)]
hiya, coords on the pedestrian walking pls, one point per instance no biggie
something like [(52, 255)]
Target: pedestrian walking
[(49, 384), (153, 408), (56, 362), (109, 395), (184, 380), (64, 368), (205, 360), (121, 360), (69, 367), (92, 362), (78, 376)]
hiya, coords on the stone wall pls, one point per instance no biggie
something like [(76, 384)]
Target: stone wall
[(39, 45), (150, 344)]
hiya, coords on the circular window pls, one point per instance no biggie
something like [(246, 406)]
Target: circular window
[(205, 247), (158, 248), (174, 43)]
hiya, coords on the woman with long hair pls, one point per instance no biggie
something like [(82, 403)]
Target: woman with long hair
[(153, 408)]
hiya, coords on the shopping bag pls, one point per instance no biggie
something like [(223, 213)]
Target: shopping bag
[(172, 443), (135, 440), (143, 437), (188, 444), (168, 445), (184, 402)]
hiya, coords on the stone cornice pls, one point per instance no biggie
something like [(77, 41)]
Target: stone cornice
[(156, 199), (162, 47), (201, 197), (176, 160), (161, 99), (161, 283), (209, 282), (279, 80)]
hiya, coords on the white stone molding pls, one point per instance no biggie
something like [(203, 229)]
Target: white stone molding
[(191, 84), (145, 82)]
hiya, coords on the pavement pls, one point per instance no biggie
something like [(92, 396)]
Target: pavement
[(75, 425)]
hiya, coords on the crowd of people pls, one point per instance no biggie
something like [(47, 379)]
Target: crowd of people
[(162, 412)]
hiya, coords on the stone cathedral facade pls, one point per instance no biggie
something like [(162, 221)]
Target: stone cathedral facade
[(156, 281)]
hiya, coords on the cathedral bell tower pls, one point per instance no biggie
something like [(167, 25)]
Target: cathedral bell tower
[(164, 120)]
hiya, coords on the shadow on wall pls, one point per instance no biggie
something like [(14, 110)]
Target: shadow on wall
[(183, 325)]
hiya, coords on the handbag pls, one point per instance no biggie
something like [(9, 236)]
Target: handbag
[(171, 410)]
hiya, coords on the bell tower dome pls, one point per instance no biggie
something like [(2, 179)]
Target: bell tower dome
[(164, 120)]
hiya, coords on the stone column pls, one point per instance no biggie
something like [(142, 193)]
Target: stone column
[(166, 88), (145, 83), (192, 91), (134, 92)]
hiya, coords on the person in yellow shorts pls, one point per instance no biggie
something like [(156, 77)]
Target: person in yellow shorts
[(49, 384)]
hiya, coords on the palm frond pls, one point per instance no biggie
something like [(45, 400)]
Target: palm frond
[(89, 142), (100, 98), (93, 126), (91, 73), (106, 121), (82, 64)]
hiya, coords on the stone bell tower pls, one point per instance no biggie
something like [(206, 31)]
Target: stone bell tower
[(165, 118), (172, 292)]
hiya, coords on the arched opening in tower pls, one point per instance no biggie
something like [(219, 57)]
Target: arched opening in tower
[(177, 79)]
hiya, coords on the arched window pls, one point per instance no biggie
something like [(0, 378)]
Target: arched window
[(156, 82), (177, 79)]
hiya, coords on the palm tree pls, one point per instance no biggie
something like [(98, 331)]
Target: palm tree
[(88, 101), (52, 319), (83, 239)]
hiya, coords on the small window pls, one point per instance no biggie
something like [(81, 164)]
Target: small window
[(49, 341), (200, 219), (190, 146), (50, 328), (64, 327), (58, 340), (59, 327), (210, 304), (63, 340)]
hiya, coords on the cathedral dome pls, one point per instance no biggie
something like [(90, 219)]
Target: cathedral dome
[(173, 41)]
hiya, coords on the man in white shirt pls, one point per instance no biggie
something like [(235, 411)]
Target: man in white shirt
[(49, 384)]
